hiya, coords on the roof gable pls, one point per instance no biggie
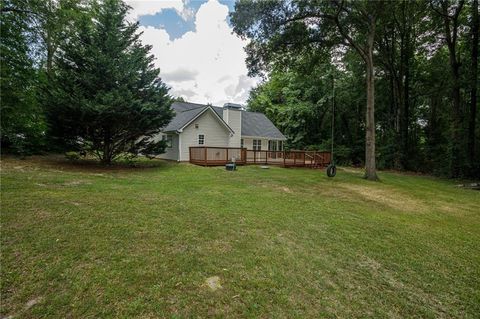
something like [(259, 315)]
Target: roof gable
[(206, 109), (254, 124), (186, 113)]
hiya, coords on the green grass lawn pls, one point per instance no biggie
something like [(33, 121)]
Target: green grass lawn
[(85, 241)]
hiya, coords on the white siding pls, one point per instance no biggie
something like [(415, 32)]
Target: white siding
[(171, 153), (216, 134)]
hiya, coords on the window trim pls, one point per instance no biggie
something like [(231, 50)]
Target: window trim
[(257, 145), (201, 137)]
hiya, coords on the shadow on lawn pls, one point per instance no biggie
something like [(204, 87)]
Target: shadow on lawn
[(58, 161)]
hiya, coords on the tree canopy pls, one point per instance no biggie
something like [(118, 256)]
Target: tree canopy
[(75, 75), (83, 65), (105, 89), (404, 72)]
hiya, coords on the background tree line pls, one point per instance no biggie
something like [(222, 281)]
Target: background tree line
[(405, 76), (75, 76)]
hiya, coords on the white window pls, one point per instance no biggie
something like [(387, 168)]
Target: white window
[(201, 139), (241, 142), (257, 145), (168, 139)]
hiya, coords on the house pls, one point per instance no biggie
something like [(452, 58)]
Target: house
[(227, 126)]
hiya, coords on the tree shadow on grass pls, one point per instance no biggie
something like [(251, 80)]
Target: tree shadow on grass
[(88, 164)]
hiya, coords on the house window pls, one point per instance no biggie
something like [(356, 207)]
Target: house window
[(201, 139), (257, 145), (168, 139), (272, 145), (280, 146), (241, 142), (196, 125)]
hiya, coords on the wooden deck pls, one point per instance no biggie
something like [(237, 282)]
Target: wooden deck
[(218, 156)]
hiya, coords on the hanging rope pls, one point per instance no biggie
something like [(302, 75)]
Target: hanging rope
[(332, 169)]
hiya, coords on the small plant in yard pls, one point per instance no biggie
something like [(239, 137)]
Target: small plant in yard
[(72, 156)]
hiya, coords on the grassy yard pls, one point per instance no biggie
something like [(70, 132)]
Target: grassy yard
[(84, 241)]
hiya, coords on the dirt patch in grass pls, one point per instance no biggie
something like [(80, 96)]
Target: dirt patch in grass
[(387, 197), (76, 183), (213, 283), (33, 302), (280, 188)]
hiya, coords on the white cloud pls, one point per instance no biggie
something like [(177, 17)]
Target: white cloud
[(180, 75), (211, 58), (144, 7)]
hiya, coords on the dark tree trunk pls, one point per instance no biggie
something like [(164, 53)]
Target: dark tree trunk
[(366, 53), (451, 33), (473, 90), (406, 96), (107, 153), (370, 165), (50, 52)]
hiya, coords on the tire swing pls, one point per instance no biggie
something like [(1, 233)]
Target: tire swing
[(332, 168)]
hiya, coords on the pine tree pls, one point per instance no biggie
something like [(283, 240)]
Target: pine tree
[(105, 91)]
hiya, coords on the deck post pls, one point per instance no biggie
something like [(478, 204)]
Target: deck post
[(254, 156), (283, 158), (294, 159), (205, 148), (190, 154), (227, 154)]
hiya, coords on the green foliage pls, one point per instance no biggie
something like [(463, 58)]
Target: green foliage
[(295, 46), (105, 91), (22, 120), (72, 156)]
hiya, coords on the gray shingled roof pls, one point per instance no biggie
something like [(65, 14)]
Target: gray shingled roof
[(253, 123), (184, 112), (257, 124)]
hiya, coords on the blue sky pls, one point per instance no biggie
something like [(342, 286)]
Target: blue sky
[(175, 25), (199, 56)]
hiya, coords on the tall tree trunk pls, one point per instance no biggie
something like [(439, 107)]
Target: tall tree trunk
[(451, 34), (370, 165), (50, 50), (107, 148), (473, 90), (406, 96), (456, 121), (366, 52)]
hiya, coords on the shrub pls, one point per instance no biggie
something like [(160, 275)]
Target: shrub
[(72, 156)]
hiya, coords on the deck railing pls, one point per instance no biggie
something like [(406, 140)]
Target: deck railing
[(215, 156), (212, 156)]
